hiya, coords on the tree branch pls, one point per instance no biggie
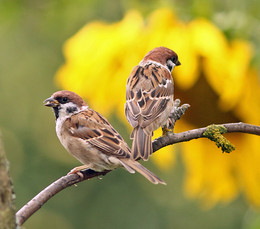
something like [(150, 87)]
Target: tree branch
[(39, 200), (7, 208), (198, 133)]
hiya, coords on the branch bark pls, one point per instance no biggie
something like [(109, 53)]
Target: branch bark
[(39, 200), (7, 208)]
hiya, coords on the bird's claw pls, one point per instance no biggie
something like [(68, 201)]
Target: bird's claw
[(177, 112), (76, 171), (166, 130), (177, 103)]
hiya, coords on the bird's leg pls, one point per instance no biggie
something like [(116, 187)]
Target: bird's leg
[(77, 170), (165, 130), (176, 113)]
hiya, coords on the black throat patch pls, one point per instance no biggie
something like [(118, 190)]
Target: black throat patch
[(56, 112)]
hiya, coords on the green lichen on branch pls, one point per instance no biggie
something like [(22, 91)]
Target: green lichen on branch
[(215, 134)]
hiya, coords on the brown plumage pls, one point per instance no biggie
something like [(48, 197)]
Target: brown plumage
[(149, 98), (90, 138)]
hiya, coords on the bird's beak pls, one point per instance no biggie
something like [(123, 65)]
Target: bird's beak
[(51, 102), (178, 63)]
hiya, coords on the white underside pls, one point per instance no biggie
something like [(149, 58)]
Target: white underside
[(83, 150)]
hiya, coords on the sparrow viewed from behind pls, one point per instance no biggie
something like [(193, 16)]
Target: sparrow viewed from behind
[(90, 138), (149, 98)]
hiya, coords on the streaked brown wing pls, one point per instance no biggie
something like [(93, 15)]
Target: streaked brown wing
[(148, 91), (96, 130)]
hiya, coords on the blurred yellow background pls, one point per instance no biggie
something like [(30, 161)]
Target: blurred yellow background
[(90, 47)]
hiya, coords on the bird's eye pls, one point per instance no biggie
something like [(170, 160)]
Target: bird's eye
[(174, 59), (64, 99)]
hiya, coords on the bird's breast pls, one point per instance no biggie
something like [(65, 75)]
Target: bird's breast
[(83, 151)]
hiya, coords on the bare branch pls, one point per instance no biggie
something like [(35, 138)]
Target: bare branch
[(36, 203), (33, 205)]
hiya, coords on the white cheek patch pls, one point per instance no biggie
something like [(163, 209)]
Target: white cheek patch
[(63, 114), (171, 65), (68, 109)]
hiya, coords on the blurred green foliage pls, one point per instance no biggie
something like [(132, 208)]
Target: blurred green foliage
[(31, 37)]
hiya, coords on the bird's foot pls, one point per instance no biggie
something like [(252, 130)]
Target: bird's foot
[(166, 130), (177, 112), (77, 170)]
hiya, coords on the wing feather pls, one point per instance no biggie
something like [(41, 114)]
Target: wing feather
[(147, 97), (90, 126)]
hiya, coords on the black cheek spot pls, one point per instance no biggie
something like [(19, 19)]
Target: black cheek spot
[(71, 109)]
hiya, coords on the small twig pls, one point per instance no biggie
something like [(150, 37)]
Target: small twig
[(38, 201)]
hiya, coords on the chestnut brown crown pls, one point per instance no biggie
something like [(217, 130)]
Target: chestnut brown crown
[(162, 55), (62, 97)]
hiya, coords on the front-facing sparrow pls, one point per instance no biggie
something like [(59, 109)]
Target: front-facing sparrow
[(149, 98), (90, 138)]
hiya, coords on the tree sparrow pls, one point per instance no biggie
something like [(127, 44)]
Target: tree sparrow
[(90, 138), (149, 98)]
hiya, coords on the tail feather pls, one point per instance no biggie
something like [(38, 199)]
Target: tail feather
[(127, 167), (142, 170), (142, 144)]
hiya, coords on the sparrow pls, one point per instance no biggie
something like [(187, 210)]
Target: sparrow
[(149, 98), (90, 138)]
